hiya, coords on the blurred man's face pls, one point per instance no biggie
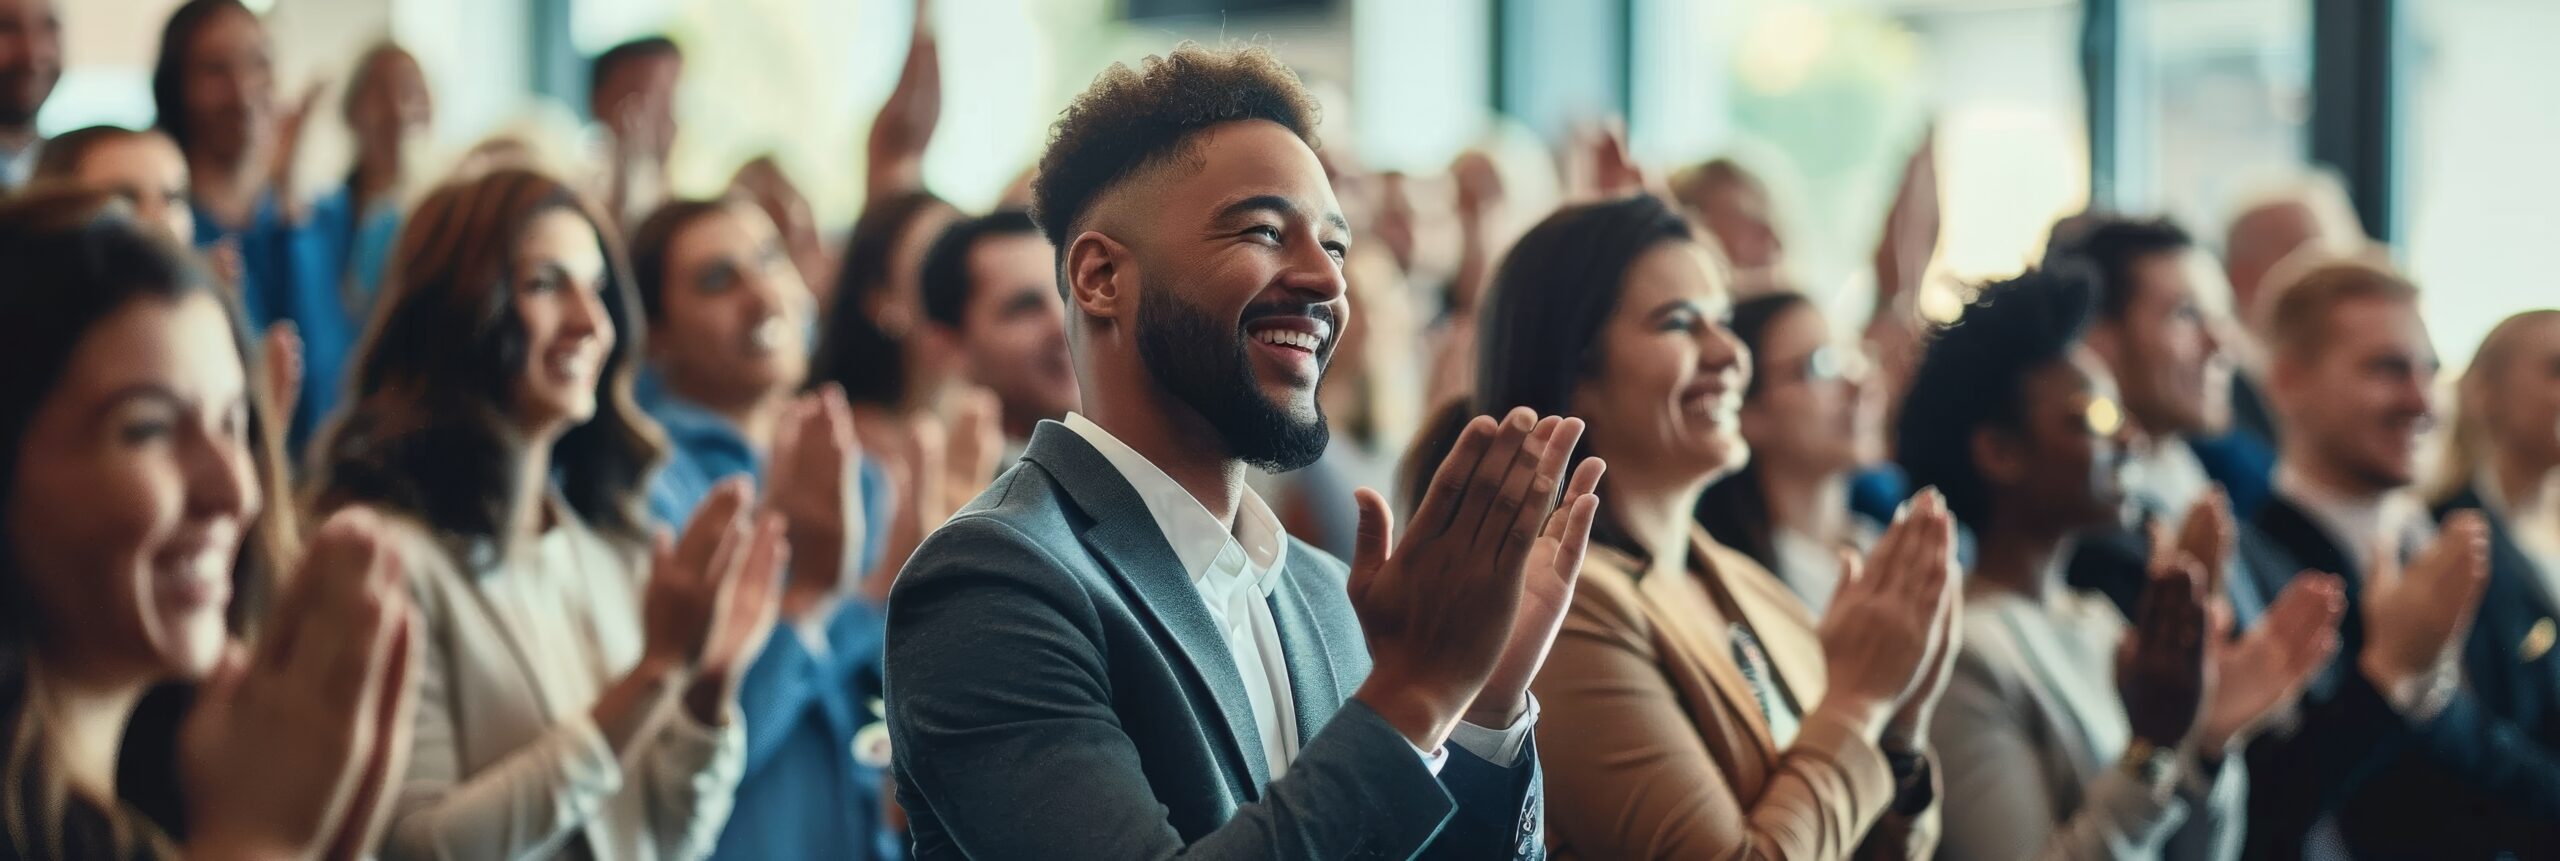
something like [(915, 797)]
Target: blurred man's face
[(2171, 369), (229, 88), (2356, 403), (2260, 239), (394, 110), (1738, 215), (1240, 288), (30, 58), (1013, 332), (734, 314), (638, 101)]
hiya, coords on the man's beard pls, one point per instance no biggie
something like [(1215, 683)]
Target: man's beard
[(1205, 364)]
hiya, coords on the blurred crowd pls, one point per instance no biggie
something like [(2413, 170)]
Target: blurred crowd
[(519, 507)]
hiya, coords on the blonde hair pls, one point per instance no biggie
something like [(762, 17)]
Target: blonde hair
[(2466, 444), (2307, 289)]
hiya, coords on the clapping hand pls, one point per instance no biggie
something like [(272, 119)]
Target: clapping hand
[(1439, 610), (1554, 566), (2251, 680), (1888, 627), (2415, 620), (294, 743), (2160, 665), (815, 487), (712, 596)]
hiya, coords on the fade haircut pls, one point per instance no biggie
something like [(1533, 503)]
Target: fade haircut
[(1975, 376), (1134, 119), (2112, 247), (2298, 319)]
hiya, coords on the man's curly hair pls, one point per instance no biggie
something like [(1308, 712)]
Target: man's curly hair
[(1132, 119)]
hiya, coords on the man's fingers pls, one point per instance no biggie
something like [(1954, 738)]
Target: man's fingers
[(1510, 524), (1448, 487), (1370, 540), (1483, 482)]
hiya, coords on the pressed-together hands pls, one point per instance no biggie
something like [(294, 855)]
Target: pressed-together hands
[(2415, 617), (2184, 679), (815, 485), (1890, 636), (294, 742), (712, 598), (1456, 615)]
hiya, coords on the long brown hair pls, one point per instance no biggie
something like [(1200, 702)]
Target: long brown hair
[(74, 259), (2466, 443), (427, 430)]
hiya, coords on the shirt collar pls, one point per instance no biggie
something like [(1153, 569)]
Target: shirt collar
[(1197, 538), (689, 426)]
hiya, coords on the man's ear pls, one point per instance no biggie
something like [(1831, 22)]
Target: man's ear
[(1099, 275)]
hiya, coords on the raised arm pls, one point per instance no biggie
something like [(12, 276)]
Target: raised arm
[(894, 162)]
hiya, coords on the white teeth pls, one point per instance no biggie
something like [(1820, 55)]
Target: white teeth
[(1302, 340), (767, 335)]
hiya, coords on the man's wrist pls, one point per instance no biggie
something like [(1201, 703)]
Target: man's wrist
[(1419, 717), (1497, 712)]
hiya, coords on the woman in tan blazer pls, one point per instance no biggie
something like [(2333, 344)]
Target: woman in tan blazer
[(1692, 707)]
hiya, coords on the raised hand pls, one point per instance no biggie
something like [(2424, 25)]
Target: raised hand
[(815, 486), (287, 140), (2250, 681), (681, 607), (970, 450), (280, 368), (2160, 669), (293, 743), (2415, 620), (1887, 617), (1910, 235), (1438, 609), (1909, 728), (1554, 566), (904, 127)]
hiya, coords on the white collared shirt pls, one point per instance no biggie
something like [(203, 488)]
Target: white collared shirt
[(2168, 474), (1235, 571)]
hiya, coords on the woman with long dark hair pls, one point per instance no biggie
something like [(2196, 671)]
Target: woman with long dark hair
[(143, 528), (493, 421), (1805, 417), (1693, 709)]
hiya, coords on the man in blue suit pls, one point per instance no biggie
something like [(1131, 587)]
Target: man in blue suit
[(1115, 652)]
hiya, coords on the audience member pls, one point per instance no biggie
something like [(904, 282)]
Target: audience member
[(726, 315), (2311, 214), (1120, 615), (1692, 708), (1735, 208), (30, 64), (631, 93), (2019, 424), (1808, 421), (144, 531), (214, 88), (870, 345), (143, 168), (989, 288), (389, 111), (2490, 785), (2349, 373), (494, 425), (2154, 340)]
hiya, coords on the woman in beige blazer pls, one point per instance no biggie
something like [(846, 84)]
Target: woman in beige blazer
[(576, 692), (1692, 708)]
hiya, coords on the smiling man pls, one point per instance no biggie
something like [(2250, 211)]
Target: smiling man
[(1115, 652)]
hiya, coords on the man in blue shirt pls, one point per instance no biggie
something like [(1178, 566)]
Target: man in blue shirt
[(727, 344)]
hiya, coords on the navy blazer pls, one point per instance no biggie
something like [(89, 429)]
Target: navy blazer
[(1057, 689), (2483, 780)]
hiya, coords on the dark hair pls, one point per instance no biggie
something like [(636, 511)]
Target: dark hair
[(1974, 376), (1133, 119), (1735, 509), (2111, 246), (426, 432), (654, 239), (1432, 441), (61, 157), (947, 282), (368, 66), (169, 73), (855, 351), (1548, 302), (74, 259), (645, 47)]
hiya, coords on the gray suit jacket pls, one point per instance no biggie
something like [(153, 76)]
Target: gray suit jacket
[(1056, 689)]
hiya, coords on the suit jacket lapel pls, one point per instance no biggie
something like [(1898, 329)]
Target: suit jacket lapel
[(1684, 610), (1124, 537), (1314, 681), (1775, 615)]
